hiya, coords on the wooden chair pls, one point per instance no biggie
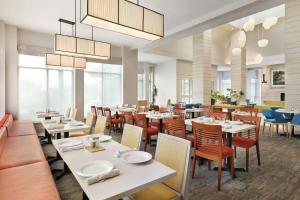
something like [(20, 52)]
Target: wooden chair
[(176, 158), (209, 145), (67, 114), (94, 111), (128, 118), (248, 139), (99, 111), (73, 113), (132, 136), (141, 109), (155, 108), (180, 112), (218, 115), (111, 122), (206, 109), (141, 121), (89, 122), (100, 124), (176, 127), (177, 105), (253, 111), (163, 109)]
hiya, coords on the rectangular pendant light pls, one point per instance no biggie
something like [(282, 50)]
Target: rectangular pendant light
[(74, 46), (65, 61), (124, 17)]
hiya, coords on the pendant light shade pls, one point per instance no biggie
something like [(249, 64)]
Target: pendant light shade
[(249, 25), (57, 60), (74, 46), (263, 43), (258, 59), (124, 17), (242, 39), (269, 22)]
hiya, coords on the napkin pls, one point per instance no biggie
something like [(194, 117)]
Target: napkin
[(55, 127), (73, 148), (96, 179)]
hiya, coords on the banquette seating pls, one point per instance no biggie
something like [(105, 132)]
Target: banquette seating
[(24, 171)]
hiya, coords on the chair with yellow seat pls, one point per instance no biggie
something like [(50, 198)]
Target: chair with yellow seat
[(176, 158), (73, 113), (100, 124), (89, 122), (132, 136)]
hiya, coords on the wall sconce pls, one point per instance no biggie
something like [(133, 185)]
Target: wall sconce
[(264, 82)]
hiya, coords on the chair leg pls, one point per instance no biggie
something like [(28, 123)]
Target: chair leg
[(270, 130), (146, 143), (277, 129), (258, 154), (209, 165), (232, 166), (234, 152), (219, 174), (247, 160), (263, 132), (194, 166)]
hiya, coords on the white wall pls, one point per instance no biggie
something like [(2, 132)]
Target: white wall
[(166, 81), (184, 70), (2, 68)]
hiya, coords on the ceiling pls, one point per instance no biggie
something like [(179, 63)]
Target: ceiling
[(42, 16)]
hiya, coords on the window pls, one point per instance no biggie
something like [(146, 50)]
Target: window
[(41, 87), (253, 85), (102, 85), (186, 90), (141, 87), (224, 82)]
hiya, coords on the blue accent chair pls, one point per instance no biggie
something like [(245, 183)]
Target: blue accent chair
[(274, 119), (295, 122)]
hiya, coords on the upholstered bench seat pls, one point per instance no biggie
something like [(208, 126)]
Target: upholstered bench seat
[(21, 128), (33, 181)]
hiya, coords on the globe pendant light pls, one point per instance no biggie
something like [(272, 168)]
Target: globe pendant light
[(263, 43), (258, 59), (269, 22), (250, 24)]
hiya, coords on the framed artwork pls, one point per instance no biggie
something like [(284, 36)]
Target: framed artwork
[(277, 78)]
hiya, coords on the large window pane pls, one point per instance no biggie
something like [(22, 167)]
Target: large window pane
[(32, 92), (141, 86)]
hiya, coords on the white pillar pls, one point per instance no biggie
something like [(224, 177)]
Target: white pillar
[(292, 53), (238, 66), (130, 73), (79, 94), (11, 72), (2, 68), (202, 68)]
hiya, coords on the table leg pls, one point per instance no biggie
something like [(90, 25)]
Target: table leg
[(84, 196), (63, 171), (161, 125), (193, 115)]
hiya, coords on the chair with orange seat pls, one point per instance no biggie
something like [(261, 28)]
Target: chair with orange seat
[(111, 122), (141, 121), (155, 108), (180, 112), (163, 109), (209, 145), (248, 139), (252, 111), (176, 127), (218, 115), (128, 118)]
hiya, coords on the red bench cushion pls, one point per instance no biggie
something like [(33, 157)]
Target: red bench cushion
[(3, 138), (20, 151), (33, 181), (20, 128), (3, 120)]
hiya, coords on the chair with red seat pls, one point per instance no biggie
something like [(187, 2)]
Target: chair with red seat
[(128, 118), (208, 144), (218, 115), (141, 121), (176, 127), (248, 139), (180, 112), (111, 122), (252, 111)]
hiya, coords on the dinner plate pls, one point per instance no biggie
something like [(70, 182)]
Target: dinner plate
[(104, 138), (95, 168), (76, 123), (71, 143), (236, 123), (135, 157)]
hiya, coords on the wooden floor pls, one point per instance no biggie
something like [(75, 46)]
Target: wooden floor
[(278, 178)]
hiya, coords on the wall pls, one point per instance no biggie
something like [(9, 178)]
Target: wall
[(184, 70), (166, 81), (2, 68)]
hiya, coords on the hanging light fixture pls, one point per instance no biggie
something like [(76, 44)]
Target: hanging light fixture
[(250, 24), (258, 59), (263, 43), (242, 39), (57, 60), (269, 22), (264, 82), (123, 16)]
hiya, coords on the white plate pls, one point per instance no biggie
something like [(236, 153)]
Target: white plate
[(95, 168), (135, 157), (104, 138), (236, 123), (76, 123), (71, 143)]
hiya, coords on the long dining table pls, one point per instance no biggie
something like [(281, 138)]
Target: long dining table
[(229, 128), (131, 179)]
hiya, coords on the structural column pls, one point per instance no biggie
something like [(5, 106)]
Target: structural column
[(130, 75), (202, 68), (238, 65), (292, 53), (2, 68), (79, 94)]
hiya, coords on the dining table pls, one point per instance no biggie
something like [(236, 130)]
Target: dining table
[(49, 115), (132, 178), (193, 111), (229, 128), (160, 117)]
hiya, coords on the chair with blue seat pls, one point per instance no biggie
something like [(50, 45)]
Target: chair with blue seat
[(274, 119), (295, 122)]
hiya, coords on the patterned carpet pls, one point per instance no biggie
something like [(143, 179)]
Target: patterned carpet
[(278, 177)]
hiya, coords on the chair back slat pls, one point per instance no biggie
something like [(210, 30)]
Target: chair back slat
[(128, 118), (175, 127), (180, 112), (218, 115), (253, 133), (140, 120), (252, 111)]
